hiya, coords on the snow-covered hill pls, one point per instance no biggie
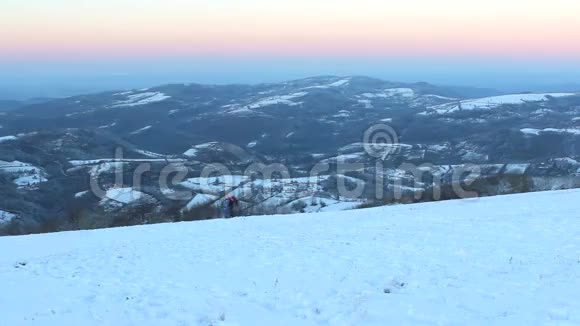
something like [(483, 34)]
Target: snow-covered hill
[(493, 102), (62, 144), (511, 260), (23, 174)]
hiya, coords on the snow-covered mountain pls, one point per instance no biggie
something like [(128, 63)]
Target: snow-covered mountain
[(50, 152), (274, 118), (509, 260), (488, 103)]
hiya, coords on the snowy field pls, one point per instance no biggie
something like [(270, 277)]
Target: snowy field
[(140, 99), (6, 217), (511, 260), (493, 102), (23, 174), (537, 132)]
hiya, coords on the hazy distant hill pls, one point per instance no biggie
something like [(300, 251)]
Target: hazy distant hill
[(10, 105)]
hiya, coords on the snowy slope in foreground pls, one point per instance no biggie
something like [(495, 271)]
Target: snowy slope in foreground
[(511, 260)]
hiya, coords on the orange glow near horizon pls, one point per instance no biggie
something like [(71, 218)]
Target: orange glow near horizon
[(341, 28)]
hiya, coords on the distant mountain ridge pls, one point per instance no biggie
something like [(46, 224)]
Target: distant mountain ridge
[(11, 105)]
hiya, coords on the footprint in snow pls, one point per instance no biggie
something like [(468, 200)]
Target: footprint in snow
[(395, 285)]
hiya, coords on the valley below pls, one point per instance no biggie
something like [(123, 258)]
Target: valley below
[(324, 144)]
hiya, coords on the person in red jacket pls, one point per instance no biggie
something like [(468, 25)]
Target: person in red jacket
[(231, 205)]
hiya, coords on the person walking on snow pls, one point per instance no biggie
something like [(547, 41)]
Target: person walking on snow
[(231, 204)]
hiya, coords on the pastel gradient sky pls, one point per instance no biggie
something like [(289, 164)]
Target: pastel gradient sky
[(144, 41)]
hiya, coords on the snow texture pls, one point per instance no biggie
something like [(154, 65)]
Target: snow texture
[(141, 99), (368, 104), (106, 167), (82, 194), (252, 144), (6, 217), (391, 92), (338, 83), (537, 132), (201, 200), (318, 204), (7, 138), (107, 164), (149, 154), (493, 102), (138, 131), (25, 175), (194, 151), (123, 195), (277, 100), (108, 126), (214, 185), (510, 260)]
